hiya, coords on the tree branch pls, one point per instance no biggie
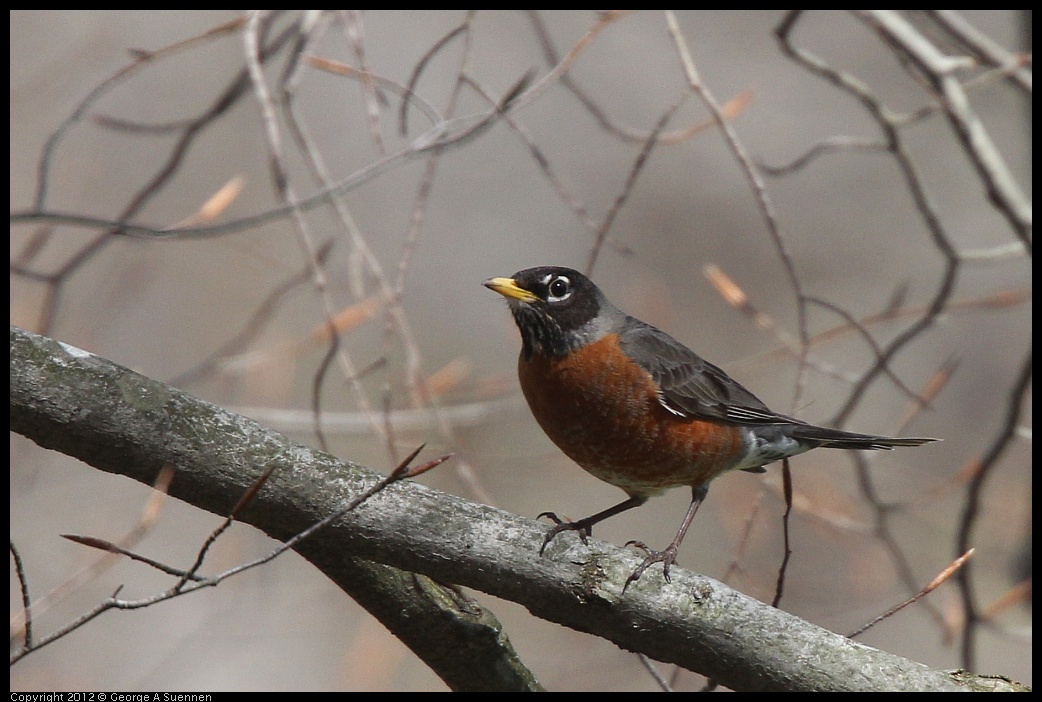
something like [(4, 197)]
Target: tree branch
[(116, 420), (71, 401)]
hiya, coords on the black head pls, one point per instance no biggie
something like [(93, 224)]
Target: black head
[(557, 309)]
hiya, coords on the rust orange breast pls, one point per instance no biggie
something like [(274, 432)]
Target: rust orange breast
[(602, 410)]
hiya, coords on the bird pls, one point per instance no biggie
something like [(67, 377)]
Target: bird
[(639, 410)]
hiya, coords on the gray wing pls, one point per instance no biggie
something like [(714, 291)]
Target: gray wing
[(689, 385)]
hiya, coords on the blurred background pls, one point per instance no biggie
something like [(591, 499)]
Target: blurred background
[(153, 118)]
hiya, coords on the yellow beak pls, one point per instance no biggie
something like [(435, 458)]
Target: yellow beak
[(507, 287)]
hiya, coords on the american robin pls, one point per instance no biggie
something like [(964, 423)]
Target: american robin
[(636, 408)]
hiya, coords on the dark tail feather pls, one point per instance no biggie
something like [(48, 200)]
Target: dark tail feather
[(834, 438)]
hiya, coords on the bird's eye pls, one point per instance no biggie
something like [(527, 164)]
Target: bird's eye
[(560, 288)]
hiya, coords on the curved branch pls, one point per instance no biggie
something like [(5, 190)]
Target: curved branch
[(116, 420)]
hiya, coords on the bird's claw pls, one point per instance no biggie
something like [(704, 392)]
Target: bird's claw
[(667, 558), (561, 525)]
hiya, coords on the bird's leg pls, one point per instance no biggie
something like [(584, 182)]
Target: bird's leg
[(585, 526), (669, 555)]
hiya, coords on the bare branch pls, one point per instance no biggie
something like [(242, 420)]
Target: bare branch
[(448, 538)]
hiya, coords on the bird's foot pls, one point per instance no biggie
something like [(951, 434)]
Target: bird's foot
[(667, 558), (582, 526)]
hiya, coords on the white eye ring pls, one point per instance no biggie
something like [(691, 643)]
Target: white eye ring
[(563, 280)]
